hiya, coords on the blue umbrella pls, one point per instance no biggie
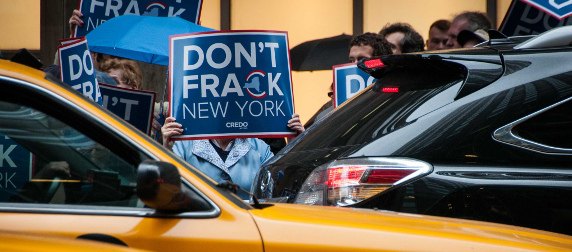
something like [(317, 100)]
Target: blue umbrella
[(142, 38)]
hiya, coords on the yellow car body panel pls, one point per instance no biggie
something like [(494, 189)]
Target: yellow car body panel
[(286, 227), (238, 227), (20, 242)]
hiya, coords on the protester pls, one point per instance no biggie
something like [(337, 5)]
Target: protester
[(368, 45), (403, 38), (468, 38), (364, 46), (469, 20), (236, 160), (437, 39)]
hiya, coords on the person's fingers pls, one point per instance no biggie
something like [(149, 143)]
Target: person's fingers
[(295, 118), (294, 123), (77, 13), (169, 119), (171, 132), (75, 20), (170, 123)]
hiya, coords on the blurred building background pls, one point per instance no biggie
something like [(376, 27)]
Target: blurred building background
[(38, 25)]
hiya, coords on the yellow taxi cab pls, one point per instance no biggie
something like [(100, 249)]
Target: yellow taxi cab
[(70, 168), (21, 242)]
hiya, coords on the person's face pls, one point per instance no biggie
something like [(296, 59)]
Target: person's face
[(360, 52), (395, 40), (118, 75), (456, 27), (437, 39)]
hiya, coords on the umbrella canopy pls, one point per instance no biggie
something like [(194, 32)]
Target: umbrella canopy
[(142, 38), (320, 54)]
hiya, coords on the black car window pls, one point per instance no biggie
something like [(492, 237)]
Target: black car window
[(54, 153), (376, 112), (44, 160)]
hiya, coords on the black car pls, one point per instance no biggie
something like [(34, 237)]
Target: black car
[(482, 133)]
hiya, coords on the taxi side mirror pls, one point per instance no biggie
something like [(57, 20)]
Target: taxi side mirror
[(159, 186)]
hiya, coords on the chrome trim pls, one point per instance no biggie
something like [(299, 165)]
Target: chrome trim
[(504, 135), (108, 210), (71, 209), (214, 213), (99, 210)]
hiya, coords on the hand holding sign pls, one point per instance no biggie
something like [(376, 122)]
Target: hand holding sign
[(75, 20), (172, 128)]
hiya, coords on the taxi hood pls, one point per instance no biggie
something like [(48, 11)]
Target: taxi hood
[(284, 226)]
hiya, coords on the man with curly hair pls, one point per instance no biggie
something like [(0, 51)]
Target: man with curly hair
[(368, 45), (403, 38), (364, 46)]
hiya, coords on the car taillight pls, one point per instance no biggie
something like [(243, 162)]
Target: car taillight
[(348, 181), (374, 63), (390, 89)]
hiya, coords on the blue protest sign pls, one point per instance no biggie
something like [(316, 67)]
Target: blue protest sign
[(348, 81), (96, 12), (134, 106), (77, 70), (231, 84), (534, 17), (15, 167), (558, 9)]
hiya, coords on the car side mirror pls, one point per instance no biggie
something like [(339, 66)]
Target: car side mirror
[(159, 186)]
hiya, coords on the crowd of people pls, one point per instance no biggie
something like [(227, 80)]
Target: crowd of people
[(237, 160), (465, 30)]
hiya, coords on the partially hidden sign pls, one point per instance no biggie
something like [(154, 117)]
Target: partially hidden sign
[(559, 9), (133, 106), (95, 12), (348, 81), (531, 17), (15, 167), (77, 70), (231, 84)]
